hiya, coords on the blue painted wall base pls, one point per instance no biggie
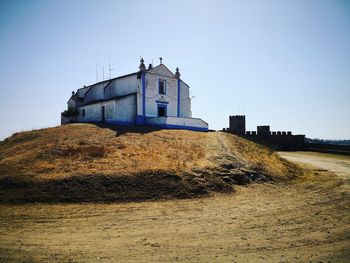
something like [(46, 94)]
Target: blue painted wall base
[(179, 127), (140, 120)]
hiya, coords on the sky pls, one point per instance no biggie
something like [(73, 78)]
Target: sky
[(281, 63)]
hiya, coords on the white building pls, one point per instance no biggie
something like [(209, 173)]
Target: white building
[(153, 96)]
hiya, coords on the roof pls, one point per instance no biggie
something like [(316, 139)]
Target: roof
[(120, 77), (109, 99)]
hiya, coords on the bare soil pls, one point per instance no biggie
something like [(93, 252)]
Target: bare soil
[(304, 220), (337, 164)]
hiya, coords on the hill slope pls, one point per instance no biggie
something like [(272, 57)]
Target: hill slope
[(83, 162)]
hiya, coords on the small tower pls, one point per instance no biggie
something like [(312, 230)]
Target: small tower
[(237, 124), (142, 66), (177, 73)]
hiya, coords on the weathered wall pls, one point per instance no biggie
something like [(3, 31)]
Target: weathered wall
[(96, 92), (81, 92), (116, 111), (121, 87)]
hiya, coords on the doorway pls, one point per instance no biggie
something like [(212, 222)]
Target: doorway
[(103, 119), (161, 111)]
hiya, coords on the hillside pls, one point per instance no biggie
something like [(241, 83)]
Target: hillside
[(83, 162)]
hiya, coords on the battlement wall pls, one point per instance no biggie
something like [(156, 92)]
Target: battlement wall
[(280, 140)]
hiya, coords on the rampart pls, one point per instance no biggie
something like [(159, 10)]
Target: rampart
[(279, 140)]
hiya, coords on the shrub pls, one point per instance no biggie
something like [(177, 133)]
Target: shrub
[(71, 112)]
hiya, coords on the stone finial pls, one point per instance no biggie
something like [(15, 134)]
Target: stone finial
[(142, 66), (150, 66), (177, 73), (73, 92), (161, 60)]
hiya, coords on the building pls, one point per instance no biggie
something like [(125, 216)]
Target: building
[(154, 96), (279, 140)]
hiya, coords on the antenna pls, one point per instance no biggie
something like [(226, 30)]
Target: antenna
[(109, 67), (96, 72)]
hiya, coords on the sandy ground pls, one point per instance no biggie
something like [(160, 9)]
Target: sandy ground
[(306, 220), (338, 164)]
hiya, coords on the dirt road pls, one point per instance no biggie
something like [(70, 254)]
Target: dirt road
[(337, 164), (304, 221)]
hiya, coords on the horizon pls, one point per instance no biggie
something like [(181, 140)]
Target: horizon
[(283, 64)]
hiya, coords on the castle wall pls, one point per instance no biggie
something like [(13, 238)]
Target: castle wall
[(237, 124), (279, 140)]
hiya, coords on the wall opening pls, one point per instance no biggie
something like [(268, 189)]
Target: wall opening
[(103, 119), (161, 111), (161, 87)]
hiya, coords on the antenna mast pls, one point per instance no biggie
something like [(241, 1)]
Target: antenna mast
[(96, 72), (109, 67)]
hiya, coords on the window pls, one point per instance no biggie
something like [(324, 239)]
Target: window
[(83, 113), (161, 86)]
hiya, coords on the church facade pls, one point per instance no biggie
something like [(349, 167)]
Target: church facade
[(154, 96)]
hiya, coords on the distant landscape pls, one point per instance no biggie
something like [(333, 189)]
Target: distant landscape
[(325, 141)]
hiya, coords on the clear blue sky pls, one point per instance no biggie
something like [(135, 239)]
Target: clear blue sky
[(283, 63)]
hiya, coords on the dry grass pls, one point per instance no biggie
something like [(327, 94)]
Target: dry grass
[(84, 153), (87, 149)]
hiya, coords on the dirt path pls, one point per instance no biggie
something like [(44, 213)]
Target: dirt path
[(338, 164), (299, 222)]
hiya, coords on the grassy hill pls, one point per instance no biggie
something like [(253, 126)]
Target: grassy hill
[(83, 162)]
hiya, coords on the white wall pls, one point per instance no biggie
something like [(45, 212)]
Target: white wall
[(126, 110), (96, 92), (122, 110), (152, 95), (178, 122), (122, 86), (185, 103), (171, 97)]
